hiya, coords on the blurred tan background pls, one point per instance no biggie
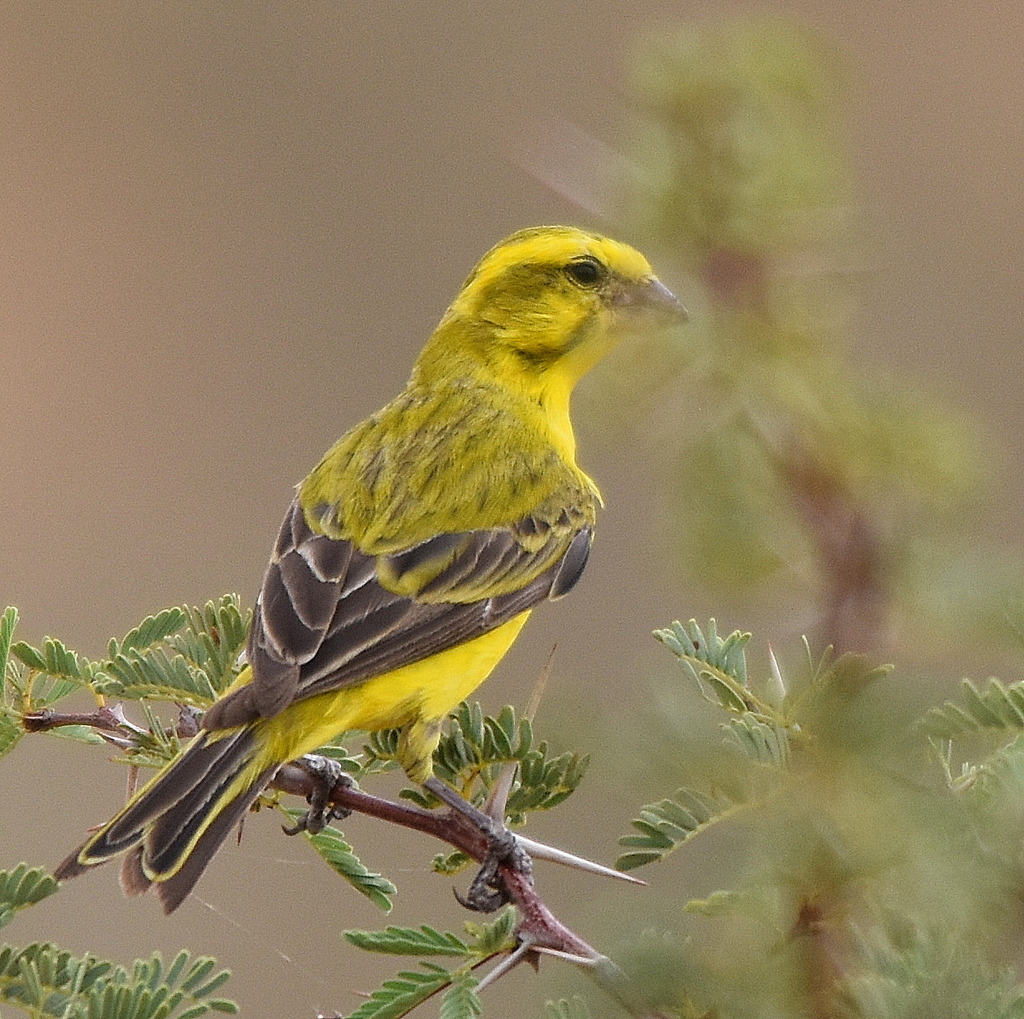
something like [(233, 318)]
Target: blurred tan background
[(227, 229)]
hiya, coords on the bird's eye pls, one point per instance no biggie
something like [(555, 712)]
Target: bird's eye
[(586, 271)]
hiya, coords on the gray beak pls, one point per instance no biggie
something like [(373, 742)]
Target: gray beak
[(650, 297)]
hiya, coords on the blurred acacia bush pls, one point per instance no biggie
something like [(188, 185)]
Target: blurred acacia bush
[(801, 477), (867, 842), (863, 851)]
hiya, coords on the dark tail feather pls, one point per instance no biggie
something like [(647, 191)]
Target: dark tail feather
[(192, 795), (133, 878), (173, 890)]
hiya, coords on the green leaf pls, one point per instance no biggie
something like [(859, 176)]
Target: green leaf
[(450, 863), (755, 903), (28, 655), (491, 938), (483, 941), (150, 631), (461, 1001), (223, 1005), (725, 655), (47, 981), (408, 941), (332, 847), (717, 664), (666, 825), (720, 903), (185, 655), (912, 971), (477, 749), (200, 969), (78, 733), (10, 734), (845, 675), (994, 707), (399, 996), (213, 638), (8, 622), (22, 887), (60, 661), (998, 781), (766, 743), (154, 675)]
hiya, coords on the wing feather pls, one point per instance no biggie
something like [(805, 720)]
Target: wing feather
[(331, 616)]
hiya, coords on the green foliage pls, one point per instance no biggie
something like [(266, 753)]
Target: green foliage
[(184, 655), (399, 996), (996, 707), (764, 724), (351, 764), (22, 887), (482, 940), (157, 744), (338, 854), (764, 742), (403, 992), (460, 1000), (10, 731), (812, 776), (153, 629), (187, 655), (739, 142), (408, 941), (995, 782), (908, 973), (8, 621), (666, 825), (213, 638), (42, 980), (718, 665), (738, 171), (762, 721), (476, 750), (867, 880), (156, 675), (813, 779)]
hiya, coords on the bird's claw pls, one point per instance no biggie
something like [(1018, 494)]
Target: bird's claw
[(487, 891), (326, 774)]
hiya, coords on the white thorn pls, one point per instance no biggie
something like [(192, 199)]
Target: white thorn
[(539, 851), (577, 960), (775, 688)]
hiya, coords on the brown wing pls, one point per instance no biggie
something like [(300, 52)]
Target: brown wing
[(324, 620)]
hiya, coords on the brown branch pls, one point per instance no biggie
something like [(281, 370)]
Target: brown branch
[(849, 547), (111, 721), (538, 927), (848, 543), (104, 719)]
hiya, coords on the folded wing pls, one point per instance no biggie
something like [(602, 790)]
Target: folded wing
[(330, 616)]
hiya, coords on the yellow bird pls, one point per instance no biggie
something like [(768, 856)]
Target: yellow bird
[(414, 552)]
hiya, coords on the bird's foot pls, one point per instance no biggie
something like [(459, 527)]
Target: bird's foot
[(486, 891), (326, 774)]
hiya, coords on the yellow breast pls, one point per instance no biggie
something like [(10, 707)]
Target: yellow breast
[(419, 695)]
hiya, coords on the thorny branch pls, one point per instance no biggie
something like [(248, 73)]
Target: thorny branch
[(539, 931)]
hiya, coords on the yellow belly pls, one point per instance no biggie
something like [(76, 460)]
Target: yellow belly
[(416, 696)]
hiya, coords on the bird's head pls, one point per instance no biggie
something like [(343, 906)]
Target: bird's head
[(548, 303)]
